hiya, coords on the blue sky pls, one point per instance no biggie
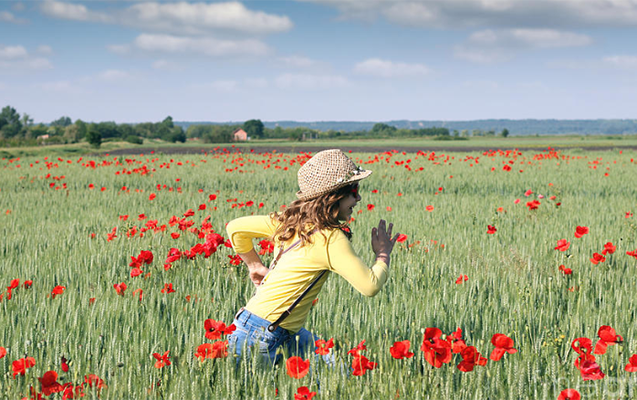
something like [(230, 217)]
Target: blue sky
[(319, 60)]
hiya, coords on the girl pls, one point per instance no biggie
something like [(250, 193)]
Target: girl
[(311, 240)]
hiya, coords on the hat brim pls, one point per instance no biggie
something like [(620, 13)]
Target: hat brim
[(355, 178)]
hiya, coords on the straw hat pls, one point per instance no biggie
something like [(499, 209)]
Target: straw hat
[(327, 171)]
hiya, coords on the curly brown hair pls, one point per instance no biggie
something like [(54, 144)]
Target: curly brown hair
[(302, 217)]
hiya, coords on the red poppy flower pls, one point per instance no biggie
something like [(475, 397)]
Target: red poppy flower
[(569, 394), (57, 290), (64, 365), (400, 350), (162, 360), (303, 393), (20, 366), (152, 196), (202, 207), (436, 350), (565, 271), (630, 367), (168, 288), (562, 245), (590, 371), (456, 342), (27, 284), (533, 205), (212, 197), (135, 272), (429, 208), (628, 214), (93, 380), (609, 248), (632, 253), (503, 344), (296, 367), (582, 345), (580, 231), (491, 229), (50, 384), (323, 347), (470, 358), (360, 365), (214, 329), (597, 258), (461, 279), (360, 347), (212, 350), (141, 217), (189, 213), (3, 352), (72, 392), (401, 238), (120, 288), (607, 337), (267, 247), (370, 207)]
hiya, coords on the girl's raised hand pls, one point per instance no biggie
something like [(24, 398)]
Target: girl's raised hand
[(382, 240)]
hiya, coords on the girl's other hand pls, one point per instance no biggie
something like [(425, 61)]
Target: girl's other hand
[(382, 241)]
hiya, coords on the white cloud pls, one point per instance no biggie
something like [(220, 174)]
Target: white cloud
[(311, 82), (623, 62), (166, 65), (44, 49), (297, 62), (555, 14), (12, 52), (18, 59), (60, 87), (256, 83), (389, 69), (180, 18), (528, 38), (19, 6), (492, 46), (198, 18), (211, 47), (224, 85), (114, 75), (6, 16), (76, 12)]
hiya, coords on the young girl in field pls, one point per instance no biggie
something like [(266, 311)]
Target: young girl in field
[(311, 239)]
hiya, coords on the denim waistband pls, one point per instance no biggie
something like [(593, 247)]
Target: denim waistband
[(247, 318)]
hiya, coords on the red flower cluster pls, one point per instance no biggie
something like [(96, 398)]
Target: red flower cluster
[(323, 347), (303, 393), (360, 363), (214, 329), (217, 349), (267, 247), (163, 360)]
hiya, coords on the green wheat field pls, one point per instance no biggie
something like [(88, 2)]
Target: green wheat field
[(57, 215)]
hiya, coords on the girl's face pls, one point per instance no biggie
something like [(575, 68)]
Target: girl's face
[(347, 203)]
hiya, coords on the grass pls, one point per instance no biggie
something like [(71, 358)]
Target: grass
[(514, 286)]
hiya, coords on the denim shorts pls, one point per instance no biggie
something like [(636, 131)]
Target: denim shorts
[(252, 335)]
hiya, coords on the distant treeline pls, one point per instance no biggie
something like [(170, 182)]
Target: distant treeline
[(19, 130), (515, 127)]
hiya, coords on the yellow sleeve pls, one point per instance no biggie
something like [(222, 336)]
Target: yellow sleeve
[(345, 262), (242, 230)]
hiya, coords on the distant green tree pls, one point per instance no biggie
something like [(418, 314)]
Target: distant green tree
[(505, 133), (93, 136), (383, 129), (62, 122), (10, 124), (168, 122), (254, 128)]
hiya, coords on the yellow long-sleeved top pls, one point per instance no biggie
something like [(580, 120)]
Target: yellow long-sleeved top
[(298, 268)]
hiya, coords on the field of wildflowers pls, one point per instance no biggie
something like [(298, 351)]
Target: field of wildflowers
[(514, 278)]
